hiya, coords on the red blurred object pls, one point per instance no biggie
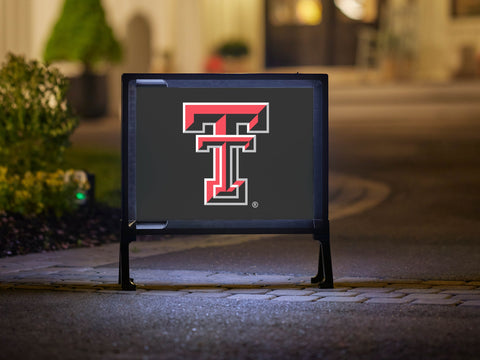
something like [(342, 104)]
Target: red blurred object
[(215, 64)]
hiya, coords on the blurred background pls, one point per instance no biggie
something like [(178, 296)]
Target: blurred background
[(404, 110), (397, 69), (354, 41)]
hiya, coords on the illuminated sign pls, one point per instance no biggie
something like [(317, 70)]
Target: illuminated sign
[(213, 153)]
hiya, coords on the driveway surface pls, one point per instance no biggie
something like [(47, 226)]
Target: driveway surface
[(405, 233)]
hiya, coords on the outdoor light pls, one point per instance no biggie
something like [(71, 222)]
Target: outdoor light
[(83, 196), (309, 12), (354, 9), (297, 12)]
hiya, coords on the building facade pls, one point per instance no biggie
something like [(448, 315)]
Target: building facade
[(426, 40)]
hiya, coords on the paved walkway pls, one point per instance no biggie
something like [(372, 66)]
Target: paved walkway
[(203, 284), (91, 270), (95, 270)]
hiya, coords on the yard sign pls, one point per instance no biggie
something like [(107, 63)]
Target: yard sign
[(217, 153)]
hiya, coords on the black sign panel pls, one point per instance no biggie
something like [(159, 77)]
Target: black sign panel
[(212, 153), (245, 154)]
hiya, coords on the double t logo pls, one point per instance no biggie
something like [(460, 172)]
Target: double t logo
[(226, 130)]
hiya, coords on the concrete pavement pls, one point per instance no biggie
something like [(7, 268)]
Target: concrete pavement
[(91, 268), (96, 270), (405, 259), (234, 286), (349, 195)]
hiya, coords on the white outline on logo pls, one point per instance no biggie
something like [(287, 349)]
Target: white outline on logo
[(235, 150)]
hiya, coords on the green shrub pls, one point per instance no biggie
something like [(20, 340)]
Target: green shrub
[(83, 34), (35, 125), (35, 119), (234, 48), (39, 192)]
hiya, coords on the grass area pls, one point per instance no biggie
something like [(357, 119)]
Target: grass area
[(105, 164)]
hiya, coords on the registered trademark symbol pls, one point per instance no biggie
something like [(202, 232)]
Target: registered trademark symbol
[(255, 204)]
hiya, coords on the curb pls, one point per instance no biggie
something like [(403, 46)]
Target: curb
[(366, 291)]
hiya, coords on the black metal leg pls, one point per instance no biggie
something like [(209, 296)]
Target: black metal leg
[(324, 277), (120, 265), (327, 260), (124, 265)]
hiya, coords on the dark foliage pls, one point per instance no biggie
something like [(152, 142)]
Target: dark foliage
[(82, 34), (36, 120), (85, 227), (234, 48)]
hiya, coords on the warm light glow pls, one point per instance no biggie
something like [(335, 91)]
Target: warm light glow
[(354, 9), (295, 12), (309, 12)]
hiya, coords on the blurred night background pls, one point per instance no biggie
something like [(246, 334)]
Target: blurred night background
[(354, 41), (404, 175), (404, 80)]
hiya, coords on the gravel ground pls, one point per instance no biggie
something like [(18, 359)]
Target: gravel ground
[(86, 227)]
